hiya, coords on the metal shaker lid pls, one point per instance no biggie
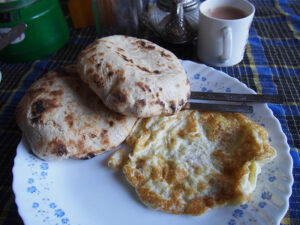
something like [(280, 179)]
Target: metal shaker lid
[(167, 5)]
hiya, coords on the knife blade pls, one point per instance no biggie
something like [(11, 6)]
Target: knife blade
[(219, 107), (235, 97)]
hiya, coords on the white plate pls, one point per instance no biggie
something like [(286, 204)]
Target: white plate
[(87, 192)]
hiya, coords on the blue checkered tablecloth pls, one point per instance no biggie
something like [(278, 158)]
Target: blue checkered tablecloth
[(271, 65)]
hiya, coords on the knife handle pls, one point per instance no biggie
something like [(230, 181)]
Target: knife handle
[(10, 36)]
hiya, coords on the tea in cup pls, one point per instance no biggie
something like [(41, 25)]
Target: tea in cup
[(223, 31)]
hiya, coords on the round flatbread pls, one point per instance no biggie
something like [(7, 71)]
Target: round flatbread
[(62, 118), (134, 76)]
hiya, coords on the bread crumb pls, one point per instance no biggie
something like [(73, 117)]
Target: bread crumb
[(116, 160)]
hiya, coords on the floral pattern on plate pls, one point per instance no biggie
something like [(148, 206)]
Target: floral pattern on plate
[(37, 188)]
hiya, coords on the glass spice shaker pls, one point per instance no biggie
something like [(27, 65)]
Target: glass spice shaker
[(175, 20)]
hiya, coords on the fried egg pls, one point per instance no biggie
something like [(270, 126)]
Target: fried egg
[(194, 161), (116, 159)]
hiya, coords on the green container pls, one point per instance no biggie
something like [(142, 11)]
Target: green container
[(46, 32)]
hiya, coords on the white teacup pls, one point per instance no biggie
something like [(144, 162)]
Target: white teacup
[(223, 31)]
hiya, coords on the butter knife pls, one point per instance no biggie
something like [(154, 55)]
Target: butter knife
[(219, 107), (235, 97), (10, 36)]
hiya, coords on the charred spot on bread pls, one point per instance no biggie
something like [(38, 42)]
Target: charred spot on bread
[(141, 102), (143, 68), (120, 96), (91, 155), (38, 107), (90, 71), (92, 135), (146, 46), (164, 54), (143, 86), (162, 104), (120, 118), (87, 156), (126, 59), (99, 81), (94, 58), (36, 119), (58, 148), (92, 48), (98, 65), (110, 73), (70, 120), (108, 67), (57, 92), (41, 106), (173, 106), (103, 132), (104, 137)]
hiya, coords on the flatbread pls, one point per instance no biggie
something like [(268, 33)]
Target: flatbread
[(195, 161), (134, 76), (62, 118)]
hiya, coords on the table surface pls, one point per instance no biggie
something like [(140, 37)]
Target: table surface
[(271, 65)]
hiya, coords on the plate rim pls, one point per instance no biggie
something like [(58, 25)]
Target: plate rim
[(289, 181)]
